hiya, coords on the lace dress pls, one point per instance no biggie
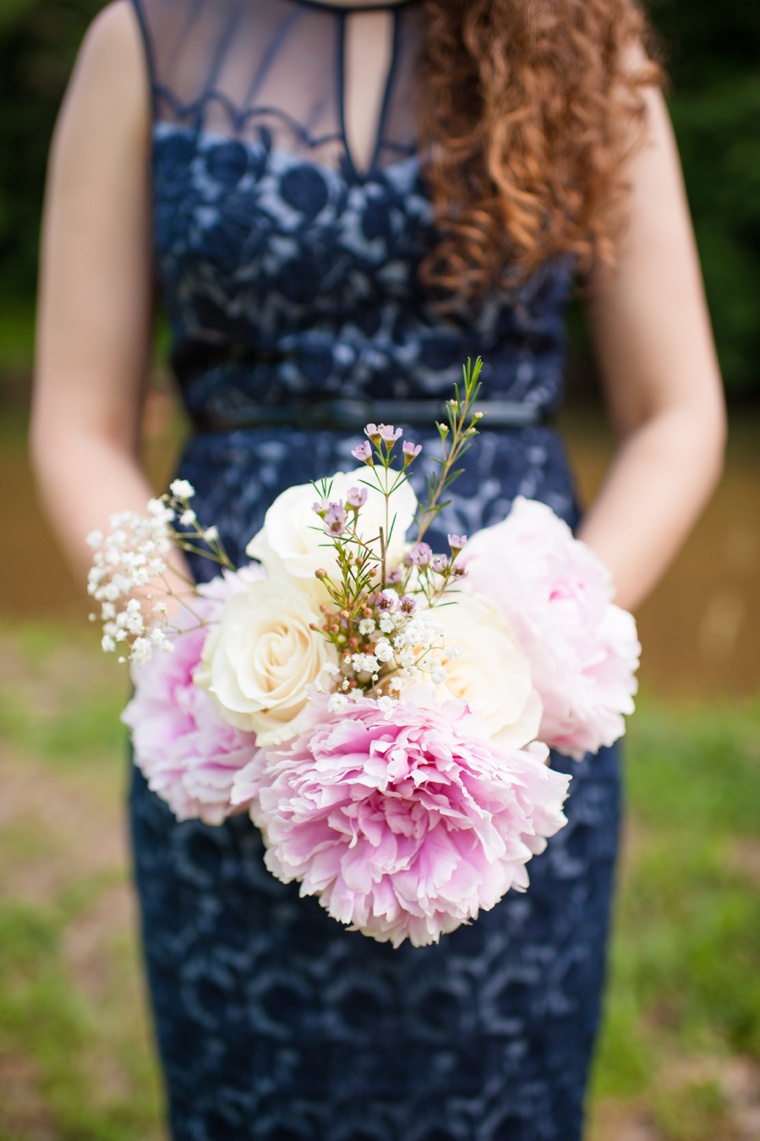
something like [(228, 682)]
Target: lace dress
[(289, 272)]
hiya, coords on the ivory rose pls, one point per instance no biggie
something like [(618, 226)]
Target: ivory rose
[(490, 671), (261, 663), (293, 539)]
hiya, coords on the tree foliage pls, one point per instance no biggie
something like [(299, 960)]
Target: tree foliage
[(711, 52), (38, 44)]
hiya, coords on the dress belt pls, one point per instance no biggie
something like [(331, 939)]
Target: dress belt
[(352, 414)]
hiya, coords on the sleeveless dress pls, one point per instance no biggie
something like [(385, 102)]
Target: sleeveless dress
[(290, 275)]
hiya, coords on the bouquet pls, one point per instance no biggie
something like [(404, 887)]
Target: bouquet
[(384, 713)]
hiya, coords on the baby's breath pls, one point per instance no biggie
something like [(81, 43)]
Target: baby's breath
[(131, 563)]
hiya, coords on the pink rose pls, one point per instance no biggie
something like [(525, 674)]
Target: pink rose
[(187, 753), (557, 595), (404, 824)]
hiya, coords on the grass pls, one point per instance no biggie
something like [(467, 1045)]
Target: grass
[(75, 1055), (683, 1010), (16, 334), (679, 1058)]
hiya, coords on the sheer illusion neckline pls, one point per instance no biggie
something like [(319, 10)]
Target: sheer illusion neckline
[(334, 83)]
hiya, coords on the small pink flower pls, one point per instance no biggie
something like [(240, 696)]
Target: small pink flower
[(363, 451), (389, 434), (457, 542), (356, 498), (439, 564), (404, 824), (407, 605), (335, 518), (411, 451), (187, 753), (419, 556), (373, 432)]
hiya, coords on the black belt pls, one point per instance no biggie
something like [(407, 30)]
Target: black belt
[(348, 414)]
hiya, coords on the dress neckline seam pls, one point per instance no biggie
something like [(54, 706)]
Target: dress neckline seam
[(407, 155), (339, 9)]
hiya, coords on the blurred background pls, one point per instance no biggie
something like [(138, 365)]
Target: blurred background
[(680, 1055)]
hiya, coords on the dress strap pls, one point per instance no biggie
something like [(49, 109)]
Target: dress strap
[(142, 21)]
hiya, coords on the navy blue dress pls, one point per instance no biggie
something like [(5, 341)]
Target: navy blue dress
[(290, 274)]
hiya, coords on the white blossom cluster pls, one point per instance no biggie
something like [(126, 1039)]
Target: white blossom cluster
[(125, 560), (401, 639), (341, 701)]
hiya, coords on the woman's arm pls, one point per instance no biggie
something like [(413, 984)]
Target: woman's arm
[(652, 334), (94, 323)]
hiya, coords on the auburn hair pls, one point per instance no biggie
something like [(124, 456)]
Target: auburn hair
[(528, 112)]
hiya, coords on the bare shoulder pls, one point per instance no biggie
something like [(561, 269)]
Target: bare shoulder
[(110, 78), (114, 35)]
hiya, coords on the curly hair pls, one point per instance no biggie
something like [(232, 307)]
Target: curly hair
[(529, 110)]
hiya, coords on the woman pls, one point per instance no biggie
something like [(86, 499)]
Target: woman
[(345, 201)]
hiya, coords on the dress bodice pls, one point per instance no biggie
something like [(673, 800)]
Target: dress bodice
[(287, 270), (290, 273)]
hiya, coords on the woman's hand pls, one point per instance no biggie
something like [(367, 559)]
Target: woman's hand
[(653, 340), (95, 310)]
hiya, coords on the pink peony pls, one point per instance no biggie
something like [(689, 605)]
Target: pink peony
[(406, 823), (187, 753), (557, 595)]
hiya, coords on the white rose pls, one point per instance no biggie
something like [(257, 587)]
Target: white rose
[(491, 672), (258, 666), (292, 538)]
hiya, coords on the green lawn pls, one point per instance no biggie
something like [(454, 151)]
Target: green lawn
[(16, 333), (680, 1055), (682, 1033)]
